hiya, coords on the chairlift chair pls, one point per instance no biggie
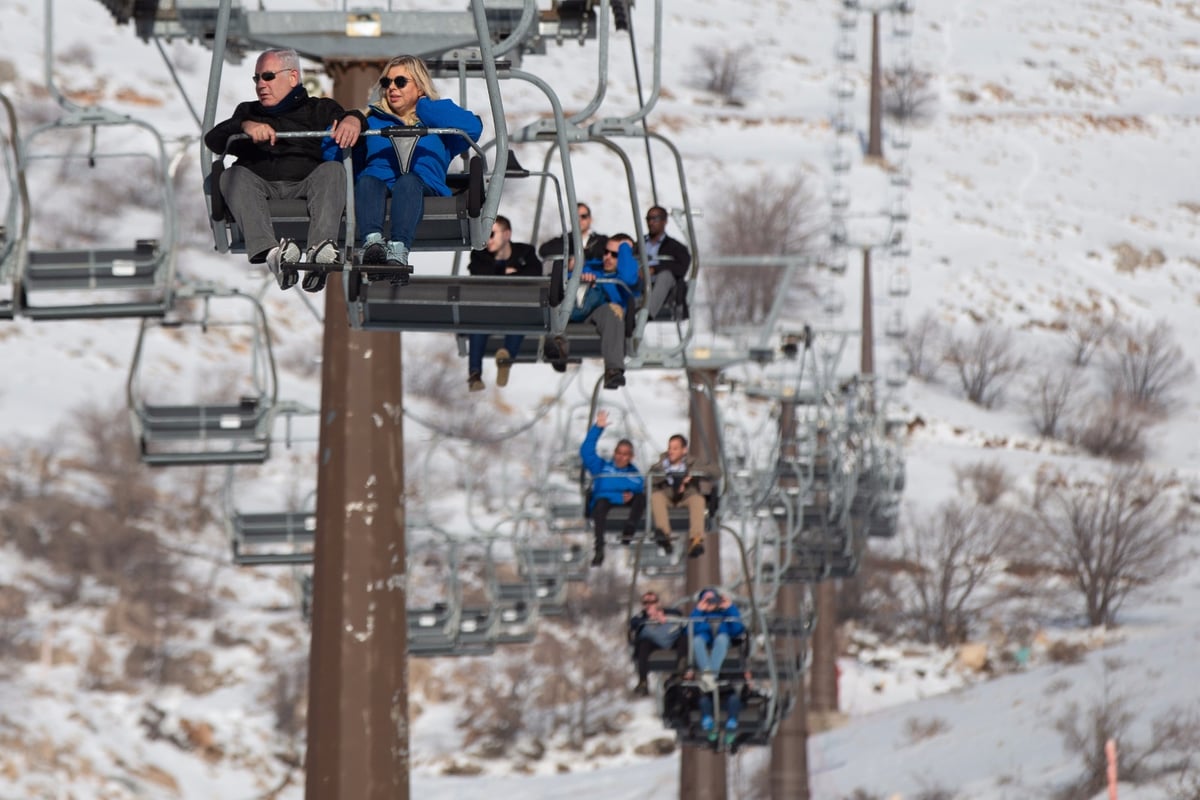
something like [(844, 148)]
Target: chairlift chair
[(15, 210), (233, 431)]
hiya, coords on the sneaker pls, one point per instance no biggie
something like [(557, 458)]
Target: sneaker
[(374, 254), (557, 351), (663, 540), (614, 378), (696, 548), (280, 261), (730, 738), (627, 537), (397, 255), (641, 690), (598, 559), (706, 722), (475, 382), (326, 253), (314, 281), (731, 724), (708, 681), (503, 365)]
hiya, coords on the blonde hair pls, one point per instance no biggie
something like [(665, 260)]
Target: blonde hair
[(419, 74)]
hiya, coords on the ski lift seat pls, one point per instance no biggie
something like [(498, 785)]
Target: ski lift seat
[(113, 268), (477, 631), (452, 303), (284, 537), (432, 630), (241, 426)]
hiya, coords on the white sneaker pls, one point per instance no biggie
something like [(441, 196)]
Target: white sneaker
[(280, 260), (708, 681), (326, 252)]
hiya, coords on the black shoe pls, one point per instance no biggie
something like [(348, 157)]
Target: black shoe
[(696, 550), (400, 274), (627, 537), (314, 281), (598, 559), (374, 254), (663, 540), (557, 351), (642, 690), (614, 378)]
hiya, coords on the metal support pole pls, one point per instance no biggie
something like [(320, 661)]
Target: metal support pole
[(788, 777), (702, 772), (358, 681), (875, 137)]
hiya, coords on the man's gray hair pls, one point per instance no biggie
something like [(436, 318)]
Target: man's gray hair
[(287, 57)]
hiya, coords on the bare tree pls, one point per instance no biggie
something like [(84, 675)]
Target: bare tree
[(909, 96), (986, 480), (1112, 427), (922, 346), (770, 216), (985, 363), (1085, 332), (1149, 367), (1049, 400), (955, 551), (1108, 538), (727, 72)]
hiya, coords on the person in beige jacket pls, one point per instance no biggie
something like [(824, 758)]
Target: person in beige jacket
[(677, 480)]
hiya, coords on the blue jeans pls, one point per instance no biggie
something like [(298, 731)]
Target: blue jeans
[(408, 204), (477, 343), (710, 659), (733, 705)]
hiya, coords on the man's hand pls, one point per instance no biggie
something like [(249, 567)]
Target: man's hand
[(346, 130), (626, 497), (587, 277), (602, 420), (259, 132)]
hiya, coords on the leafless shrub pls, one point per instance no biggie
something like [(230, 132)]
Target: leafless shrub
[(985, 363), (956, 550), (727, 72), (771, 216), (1108, 538), (1113, 428), (909, 96), (918, 730), (986, 480), (1148, 367), (1063, 652), (494, 709), (1086, 331), (922, 346), (289, 699), (1049, 400)]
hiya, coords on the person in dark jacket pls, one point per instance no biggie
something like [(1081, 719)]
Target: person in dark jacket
[(407, 97), (593, 243), (502, 256), (614, 483), (669, 260), (655, 627), (268, 168)]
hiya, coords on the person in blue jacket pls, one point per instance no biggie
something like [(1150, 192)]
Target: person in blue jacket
[(406, 97), (606, 294), (614, 483), (715, 622)]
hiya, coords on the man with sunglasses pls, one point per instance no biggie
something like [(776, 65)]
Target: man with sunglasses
[(593, 243), (501, 256), (272, 168), (668, 260), (655, 627), (606, 292)]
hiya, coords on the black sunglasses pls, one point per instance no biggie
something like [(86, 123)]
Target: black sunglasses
[(585, 216), (655, 218), (613, 253), (400, 80), (270, 76), (649, 601)]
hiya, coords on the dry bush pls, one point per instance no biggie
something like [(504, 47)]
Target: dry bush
[(1049, 400), (1112, 428), (909, 96), (1109, 538), (985, 363), (288, 698), (957, 550), (918, 730), (494, 709), (986, 480), (923, 346), (727, 72), (1085, 333), (1064, 652), (1148, 368), (770, 216)]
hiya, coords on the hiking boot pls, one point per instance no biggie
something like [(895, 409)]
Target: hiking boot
[(280, 261), (598, 559), (614, 378), (696, 548), (556, 351), (641, 690), (663, 540), (503, 365), (475, 382), (627, 536)]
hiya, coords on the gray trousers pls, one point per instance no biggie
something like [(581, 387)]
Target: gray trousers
[(612, 336), (661, 284), (246, 196)]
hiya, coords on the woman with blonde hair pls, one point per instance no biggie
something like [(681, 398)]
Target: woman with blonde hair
[(405, 97)]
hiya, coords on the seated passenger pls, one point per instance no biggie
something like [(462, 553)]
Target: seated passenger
[(593, 243), (502, 256), (677, 481), (406, 98), (668, 260), (655, 627), (604, 299), (271, 169), (715, 622), (614, 483)]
